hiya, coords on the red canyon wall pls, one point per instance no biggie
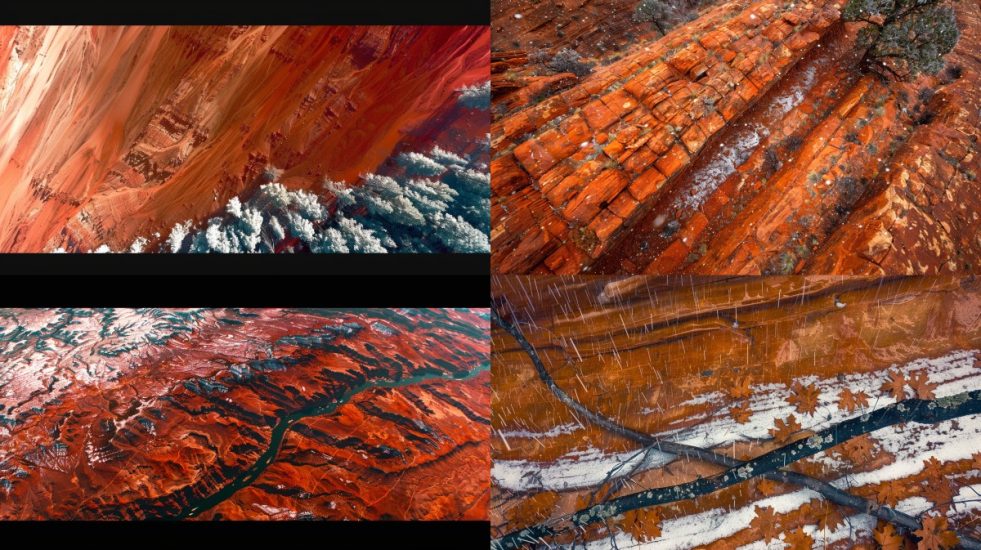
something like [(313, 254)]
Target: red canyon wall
[(110, 133)]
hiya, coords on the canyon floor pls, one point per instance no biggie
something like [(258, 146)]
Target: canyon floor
[(258, 414), (611, 390), (745, 141)]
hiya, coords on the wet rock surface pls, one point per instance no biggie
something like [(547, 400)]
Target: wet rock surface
[(753, 133), (736, 365)]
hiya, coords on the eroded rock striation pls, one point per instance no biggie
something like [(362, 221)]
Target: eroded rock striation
[(746, 141)]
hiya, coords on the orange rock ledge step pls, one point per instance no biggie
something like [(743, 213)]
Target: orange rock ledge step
[(744, 142)]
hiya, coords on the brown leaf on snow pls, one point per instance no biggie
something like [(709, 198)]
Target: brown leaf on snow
[(858, 450), (785, 428), (940, 493), (740, 387), (643, 524), (766, 487), (887, 537), (891, 492), (921, 385), (741, 413), (799, 540), (934, 535), (849, 401), (896, 385), (933, 469), (766, 523), (829, 517), (804, 398)]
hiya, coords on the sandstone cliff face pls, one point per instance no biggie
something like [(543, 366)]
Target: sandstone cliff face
[(743, 142), (116, 132)]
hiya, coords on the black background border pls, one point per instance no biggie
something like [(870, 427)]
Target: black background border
[(246, 291), (455, 535), (248, 12)]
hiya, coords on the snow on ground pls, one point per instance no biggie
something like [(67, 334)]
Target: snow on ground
[(706, 179), (968, 499), (575, 470), (939, 441), (561, 429), (952, 373), (795, 96)]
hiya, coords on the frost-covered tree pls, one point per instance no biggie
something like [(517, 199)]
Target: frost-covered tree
[(904, 38), (457, 234), (342, 194), (440, 203), (416, 164), (446, 158), (477, 96), (177, 235)]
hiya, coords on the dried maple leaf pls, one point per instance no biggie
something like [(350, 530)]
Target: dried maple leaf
[(799, 540), (940, 493), (891, 492), (804, 398), (829, 517), (741, 413), (934, 535), (739, 389), (933, 469), (785, 429), (896, 385), (849, 400), (921, 385), (766, 487), (887, 537), (859, 449), (644, 524), (766, 523)]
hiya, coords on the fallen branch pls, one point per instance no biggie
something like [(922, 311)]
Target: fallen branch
[(766, 465)]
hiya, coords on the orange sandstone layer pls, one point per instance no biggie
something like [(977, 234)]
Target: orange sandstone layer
[(570, 171), (811, 167)]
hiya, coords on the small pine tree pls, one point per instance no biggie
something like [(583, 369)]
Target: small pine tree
[(662, 14), (904, 38), (568, 60)]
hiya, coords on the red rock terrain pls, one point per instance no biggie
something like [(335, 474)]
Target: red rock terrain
[(114, 133), (244, 414), (736, 366), (746, 141)]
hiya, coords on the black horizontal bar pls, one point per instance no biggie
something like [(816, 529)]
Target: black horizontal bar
[(458, 535), (245, 291), (278, 12), (245, 264)]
